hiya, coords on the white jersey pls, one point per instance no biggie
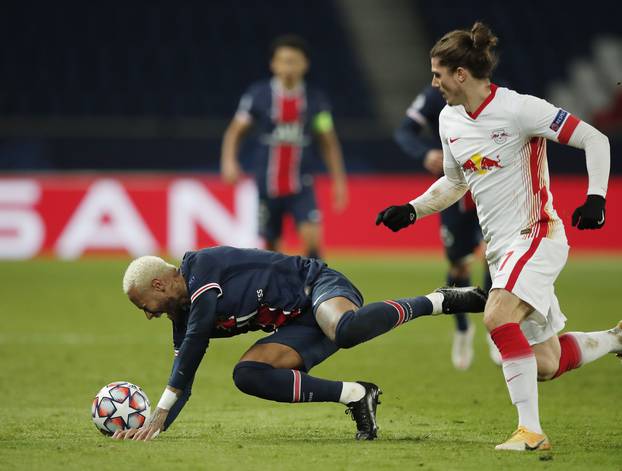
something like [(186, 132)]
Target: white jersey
[(500, 152)]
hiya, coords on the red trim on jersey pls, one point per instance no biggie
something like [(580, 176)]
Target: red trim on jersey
[(401, 313), (543, 222), (533, 164), (480, 108), (285, 158), (284, 184), (521, 263), (203, 289), (289, 109), (297, 386), (537, 146), (567, 129)]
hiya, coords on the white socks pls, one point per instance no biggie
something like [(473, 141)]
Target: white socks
[(437, 302), (594, 345), (351, 392), (521, 378)]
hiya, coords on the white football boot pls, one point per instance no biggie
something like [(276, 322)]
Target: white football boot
[(462, 348)]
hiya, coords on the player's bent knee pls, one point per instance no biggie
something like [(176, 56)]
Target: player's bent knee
[(247, 375), (346, 333)]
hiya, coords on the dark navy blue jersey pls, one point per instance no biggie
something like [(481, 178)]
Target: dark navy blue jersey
[(233, 291), (284, 122), (418, 132)]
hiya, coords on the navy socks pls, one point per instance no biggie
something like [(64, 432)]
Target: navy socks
[(283, 385), (377, 318)]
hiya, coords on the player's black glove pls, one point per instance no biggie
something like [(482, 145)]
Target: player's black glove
[(591, 215), (397, 217)]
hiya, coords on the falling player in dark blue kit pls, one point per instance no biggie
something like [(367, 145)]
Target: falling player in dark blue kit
[(311, 309), (286, 115), (460, 231)]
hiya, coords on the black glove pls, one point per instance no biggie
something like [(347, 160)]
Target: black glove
[(591, 215), (397, 217)]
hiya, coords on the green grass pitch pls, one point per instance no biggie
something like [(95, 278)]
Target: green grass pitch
[(67, 329)]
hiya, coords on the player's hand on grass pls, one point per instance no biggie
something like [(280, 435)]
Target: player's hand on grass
[(433, 162), (152, 429), (591, 214), (397, 217), (125, 434)]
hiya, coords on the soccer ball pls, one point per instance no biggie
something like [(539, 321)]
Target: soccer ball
[(119, 406)]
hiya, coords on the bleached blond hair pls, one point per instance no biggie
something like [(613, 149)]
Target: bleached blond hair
[(143, 270)]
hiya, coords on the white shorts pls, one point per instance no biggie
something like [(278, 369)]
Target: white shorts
[(528, 269)]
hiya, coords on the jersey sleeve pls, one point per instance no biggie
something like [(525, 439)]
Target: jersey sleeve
[(181, 400), (322, 121), (248, 110), (201, 321), (539, 118), (205, 276)]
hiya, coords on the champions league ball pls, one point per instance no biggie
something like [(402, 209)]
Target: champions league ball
[(119, 406)]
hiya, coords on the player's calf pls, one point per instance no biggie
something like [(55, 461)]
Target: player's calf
[(580, 348), (355, 327), (287, 385)]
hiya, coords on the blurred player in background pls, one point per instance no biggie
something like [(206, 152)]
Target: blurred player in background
[(312, 310), (286, 115), (494, 144), (460, 231)]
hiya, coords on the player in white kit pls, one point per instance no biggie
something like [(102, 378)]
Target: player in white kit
[(494, 144)]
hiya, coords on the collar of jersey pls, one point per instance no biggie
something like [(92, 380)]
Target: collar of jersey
[(480, 108), (281, 90)]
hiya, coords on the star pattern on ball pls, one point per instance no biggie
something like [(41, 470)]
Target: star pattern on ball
[(123, 409)]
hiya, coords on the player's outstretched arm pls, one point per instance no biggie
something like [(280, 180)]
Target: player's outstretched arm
[(537, 117), (443, 193), (591, 214), (201, 322), (333, 158)]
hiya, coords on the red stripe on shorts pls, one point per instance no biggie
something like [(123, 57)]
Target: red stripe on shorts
[(521, 263)]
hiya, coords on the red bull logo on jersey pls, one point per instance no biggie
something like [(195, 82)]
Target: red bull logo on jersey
[(499, 136), (481, 164)]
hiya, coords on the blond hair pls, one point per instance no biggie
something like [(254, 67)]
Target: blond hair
[(143, 270)]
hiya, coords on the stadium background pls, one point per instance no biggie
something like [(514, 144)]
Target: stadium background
[(111, 117), (150, 86)]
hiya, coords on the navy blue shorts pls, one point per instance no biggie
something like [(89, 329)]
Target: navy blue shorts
[(303, 333), (302, 206), (460, 232)]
